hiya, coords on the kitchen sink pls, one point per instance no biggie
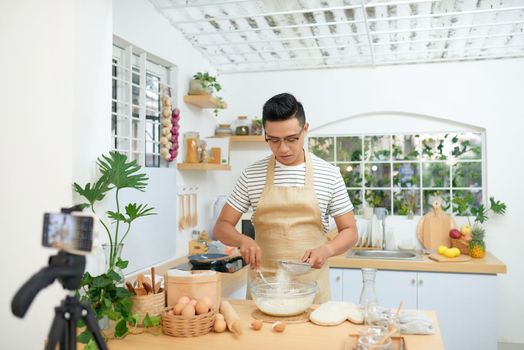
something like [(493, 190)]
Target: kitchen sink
[(384, 254)]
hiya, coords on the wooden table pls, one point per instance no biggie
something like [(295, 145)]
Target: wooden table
[(303, 336)]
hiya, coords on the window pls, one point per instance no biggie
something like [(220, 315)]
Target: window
[(138, 82), (404, 173)]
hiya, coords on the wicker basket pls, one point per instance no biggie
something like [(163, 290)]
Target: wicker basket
[(461, 244), (152, 304), (180, 326)]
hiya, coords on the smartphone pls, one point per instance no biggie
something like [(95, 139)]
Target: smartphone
[(70, 232)]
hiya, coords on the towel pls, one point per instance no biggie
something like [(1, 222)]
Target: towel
[(415, 322)]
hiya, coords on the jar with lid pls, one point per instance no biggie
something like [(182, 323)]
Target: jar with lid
[(256, 126), (191, 142), (223, 130), (242, 126)]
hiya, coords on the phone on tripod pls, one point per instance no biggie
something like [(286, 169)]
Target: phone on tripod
[(71, 232)]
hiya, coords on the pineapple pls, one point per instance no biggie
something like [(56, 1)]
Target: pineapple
[(477, 247)]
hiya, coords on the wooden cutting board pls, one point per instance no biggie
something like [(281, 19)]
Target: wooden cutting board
[(441, 258)]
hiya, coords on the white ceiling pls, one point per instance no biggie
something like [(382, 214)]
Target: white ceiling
[(269, 35)]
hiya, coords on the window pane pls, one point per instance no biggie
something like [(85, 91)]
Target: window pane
[(433, 146), (323, 147), (377, 175), (435, 175), (467, 174), (464, 200), (349, 149), (406, 175), (356, 198), (467, 146), (405, 147), (376, 147), (406, 200), (379, 198), (351, 173), (431, 195)]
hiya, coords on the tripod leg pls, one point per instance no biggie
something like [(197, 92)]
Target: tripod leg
[(92, 326), (56, 332)]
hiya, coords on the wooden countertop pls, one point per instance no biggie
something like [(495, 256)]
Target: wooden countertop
[(488, 265), (303, 336)]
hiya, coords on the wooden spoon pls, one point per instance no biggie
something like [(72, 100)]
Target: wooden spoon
[(147, 287), (195, 213), (399, 308), (130, 287), (153, 279), (189, 221), (182, 220)]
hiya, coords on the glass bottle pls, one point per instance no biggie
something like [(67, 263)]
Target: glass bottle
[(242, 126), (368, 297), (191, 141)]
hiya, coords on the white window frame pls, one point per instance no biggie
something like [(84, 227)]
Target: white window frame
[(420, 161), (129, 134)]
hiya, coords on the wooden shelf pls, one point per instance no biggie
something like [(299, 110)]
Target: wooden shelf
[(248, 138), (202, 166), (205, 101)]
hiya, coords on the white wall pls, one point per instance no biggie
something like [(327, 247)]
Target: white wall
[(39, 94), (487, 94)]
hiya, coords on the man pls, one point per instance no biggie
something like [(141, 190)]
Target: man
[(292, 193)]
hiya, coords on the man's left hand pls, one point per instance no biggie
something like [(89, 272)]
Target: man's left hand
[(316, 257)]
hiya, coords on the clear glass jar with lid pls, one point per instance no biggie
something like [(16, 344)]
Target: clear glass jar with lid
[(242, 126), (191, 143), (223, 130)]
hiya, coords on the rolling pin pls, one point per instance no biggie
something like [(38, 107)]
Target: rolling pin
[(230, 315)]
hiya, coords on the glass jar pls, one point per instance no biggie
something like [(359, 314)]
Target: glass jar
[(223, 130), (368, 297), (374, 338), (191, 142), (242, 126), (256, 126)]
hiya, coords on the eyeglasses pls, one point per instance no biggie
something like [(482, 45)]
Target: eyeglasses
[(288, 140)]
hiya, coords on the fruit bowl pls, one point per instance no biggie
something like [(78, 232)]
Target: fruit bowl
[(283, 298)]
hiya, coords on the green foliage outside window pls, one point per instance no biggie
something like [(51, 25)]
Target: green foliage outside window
[(405, 173)]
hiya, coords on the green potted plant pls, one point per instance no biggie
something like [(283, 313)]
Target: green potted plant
[(203, 84), (105, 292), (475, 234)]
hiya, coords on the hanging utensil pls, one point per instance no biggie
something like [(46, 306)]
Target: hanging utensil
[(189, 221), (182, 220), (296, 268), (195, 213)]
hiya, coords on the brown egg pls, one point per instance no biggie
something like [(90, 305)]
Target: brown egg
[(193, 302), (188, 311), (279, 326), (177, 310), (201, 307), (219, 317), (208, 302), (219, 326), (257, 325), (183, 300)]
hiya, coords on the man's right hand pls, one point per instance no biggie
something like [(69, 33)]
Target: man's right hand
[(250, 252)]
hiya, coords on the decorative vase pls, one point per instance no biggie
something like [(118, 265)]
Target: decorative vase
[(112, 254)]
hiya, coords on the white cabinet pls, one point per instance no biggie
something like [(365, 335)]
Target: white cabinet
[(464, 303)]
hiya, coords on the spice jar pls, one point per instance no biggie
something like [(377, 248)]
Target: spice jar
[(223, 130), (256, 126), (191, 141), (242, 126)]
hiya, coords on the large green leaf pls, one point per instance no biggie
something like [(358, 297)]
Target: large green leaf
[(135, 211), (93, 193), (120, 173), (497, 207)]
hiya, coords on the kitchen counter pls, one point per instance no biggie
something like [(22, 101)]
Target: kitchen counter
[(488, 265), (301, 336)]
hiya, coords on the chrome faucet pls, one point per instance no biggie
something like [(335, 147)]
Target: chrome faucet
[(381, 214)]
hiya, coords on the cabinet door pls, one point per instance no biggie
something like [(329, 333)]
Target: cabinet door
[(335, 284), (393, 286), (465, 305), (352, 285)]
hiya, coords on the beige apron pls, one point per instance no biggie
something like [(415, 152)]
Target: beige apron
[(287, 222)]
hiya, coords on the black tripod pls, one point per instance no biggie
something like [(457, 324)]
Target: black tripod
[(68, 269)]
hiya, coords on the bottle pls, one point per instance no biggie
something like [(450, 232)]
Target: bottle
[(368, 297), (242, 126), (191, 141)]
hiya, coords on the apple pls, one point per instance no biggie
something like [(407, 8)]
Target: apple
[(465, 229), (454, 233)]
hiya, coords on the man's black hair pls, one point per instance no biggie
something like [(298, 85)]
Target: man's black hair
[(283, 107)]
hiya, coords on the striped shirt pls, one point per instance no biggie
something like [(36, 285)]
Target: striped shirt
[(329, 186)]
